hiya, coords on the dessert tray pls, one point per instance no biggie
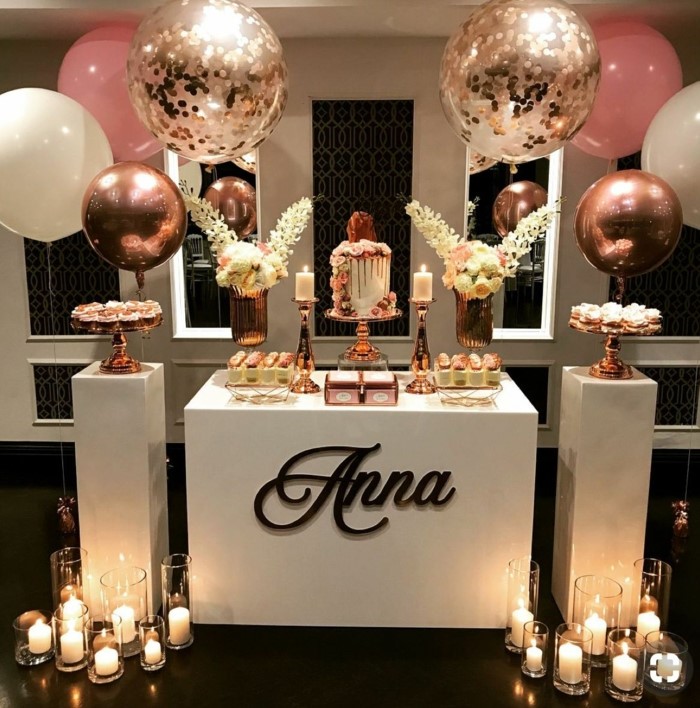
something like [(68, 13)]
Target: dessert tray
[(633, 321), (143, 318), (363, 349)]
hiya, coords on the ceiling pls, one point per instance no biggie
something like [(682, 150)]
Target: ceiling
[(69, 19)]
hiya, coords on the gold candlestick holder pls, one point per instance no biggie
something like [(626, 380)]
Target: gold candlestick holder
[(420, 361), (305, 355)]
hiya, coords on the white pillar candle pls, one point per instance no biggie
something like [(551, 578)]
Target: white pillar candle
[(599, 627), (517, 620), (128, 626), (647, 622), (72, 646), (304, 285), (570, 663), (72, 609), (423, 285), (179, 625), (533, 657), (624, 671), (106, 661), (152, 652), (39, 636)]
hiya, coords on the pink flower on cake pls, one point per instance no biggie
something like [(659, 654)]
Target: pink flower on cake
[(392, 297), (376, 312), (337, 259), (336, 285), (356, 249), (343, 278)]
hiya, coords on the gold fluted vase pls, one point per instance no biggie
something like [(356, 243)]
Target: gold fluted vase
[(248, 316), (474, 320)]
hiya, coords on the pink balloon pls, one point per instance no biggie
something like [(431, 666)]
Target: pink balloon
[(93, 73), (640, 71)]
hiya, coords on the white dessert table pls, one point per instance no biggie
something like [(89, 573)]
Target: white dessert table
[(429, 565)]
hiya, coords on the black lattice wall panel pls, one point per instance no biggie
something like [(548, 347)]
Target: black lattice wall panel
[(362, 159), (676, 398), (78, 275), (54, 393), (533, 381), (673, 288)]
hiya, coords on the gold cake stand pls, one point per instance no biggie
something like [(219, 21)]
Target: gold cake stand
[(121, 362), (363, 349), (611, 366)]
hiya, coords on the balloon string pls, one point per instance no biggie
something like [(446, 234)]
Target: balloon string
[(612, 165), (55, 367), (513, 169)]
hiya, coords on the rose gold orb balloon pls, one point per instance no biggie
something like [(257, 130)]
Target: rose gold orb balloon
[(207, 78), (628, 223), (134, 216), (515, 202), (479, 163), (518, 78), (235, 200)]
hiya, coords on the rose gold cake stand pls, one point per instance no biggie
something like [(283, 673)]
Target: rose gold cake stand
[(611, 366), (121, 362), (363, 349)]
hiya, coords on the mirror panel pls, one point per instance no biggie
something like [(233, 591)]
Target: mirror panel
[(524, 306), (200, 306)]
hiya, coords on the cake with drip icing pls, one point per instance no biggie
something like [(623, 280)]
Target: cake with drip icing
[(361, 272)]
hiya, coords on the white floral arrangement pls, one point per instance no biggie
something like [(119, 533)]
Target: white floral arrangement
[(244, 265), (473, 267)]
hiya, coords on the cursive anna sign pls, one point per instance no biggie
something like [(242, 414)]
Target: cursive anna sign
[(346, 484)]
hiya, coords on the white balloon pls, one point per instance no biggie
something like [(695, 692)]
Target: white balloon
[(50, 149), (191, 172), (671, 149)]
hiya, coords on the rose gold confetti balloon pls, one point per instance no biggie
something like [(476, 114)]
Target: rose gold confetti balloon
[(207, 78), (515, 202), (134, 216), (519, 77), (247, 162), (628, 223), (235, 200), (479, 163)]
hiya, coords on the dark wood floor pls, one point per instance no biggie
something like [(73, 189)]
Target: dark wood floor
[(265, 667)]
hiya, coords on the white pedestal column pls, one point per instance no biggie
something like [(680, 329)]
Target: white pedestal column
[(605, 443), (119, 424)]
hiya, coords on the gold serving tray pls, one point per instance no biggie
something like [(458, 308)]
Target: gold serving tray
[(259, 394), (468, 396)]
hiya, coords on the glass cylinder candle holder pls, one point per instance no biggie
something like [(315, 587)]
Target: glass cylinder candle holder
[(176, 572), (152, 638), (624, 676), (572, 658), (33, 638), (105, 661), (534, 656), (70, 651), (523, 593), (125, 595), (653, 578), (597, 605), (69, 575), (665, 663)]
